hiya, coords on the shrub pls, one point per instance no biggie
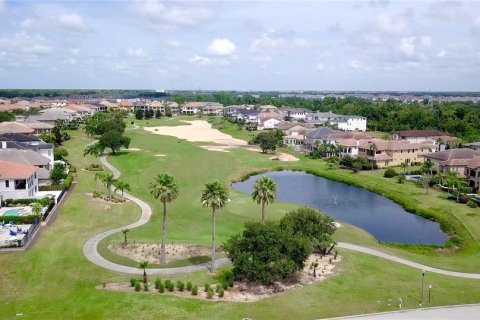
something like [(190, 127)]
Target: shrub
[(180, 286), (132, 282), (195, 290), (157, 283), (138, 286), (221, 292), (167, 283), (53, 187), (161, 288), (389, 173), (224, 285), (73, 169), (210, 293), (401, 179), (189, 286), (227, 277), (472, 204), (145, 286), (207, 287), (68, 181), (171, 287)]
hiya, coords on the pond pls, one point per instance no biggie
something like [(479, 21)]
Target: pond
[(380, 216)]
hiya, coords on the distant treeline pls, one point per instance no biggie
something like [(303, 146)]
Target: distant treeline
[(461, 119), (52, 93)]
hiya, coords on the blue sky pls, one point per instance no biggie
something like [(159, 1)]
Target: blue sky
[(241, 45)]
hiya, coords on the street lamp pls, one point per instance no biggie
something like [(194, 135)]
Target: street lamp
[(421, 294), (429, 293)]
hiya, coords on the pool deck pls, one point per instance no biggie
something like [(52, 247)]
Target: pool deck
[(25, 210), (5, 238)]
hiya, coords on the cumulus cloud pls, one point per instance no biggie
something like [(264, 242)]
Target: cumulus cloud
[(320, 67), (135, 53), (414, 48), (221, 47), (72, 22), (22, 49), (199, 60), (162, 16), (392, 25)]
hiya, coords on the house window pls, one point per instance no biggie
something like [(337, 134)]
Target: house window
[(20, 184), (7, 183)]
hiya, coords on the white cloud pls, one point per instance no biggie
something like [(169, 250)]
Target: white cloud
[(29, 23), (3, 6), (72, 22), (392, 25), (221, 47), (199, 60), (355, 64), (174, 44), (135, 53), (476, 25), (442, 54), (415, 48), (320, 67), (278, 40), (162, 16)]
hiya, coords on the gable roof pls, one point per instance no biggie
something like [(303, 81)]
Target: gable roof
[(393, 145), (421, 133), (12, 170), (320, 133), (18, 137)]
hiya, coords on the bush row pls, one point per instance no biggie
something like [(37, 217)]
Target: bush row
[(30, 219), (45, 201), (170, 286)]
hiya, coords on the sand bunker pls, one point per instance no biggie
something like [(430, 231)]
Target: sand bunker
[(133, 149), (160, 155), (151, 251), (217, 148), (197, 131), (283, 157)]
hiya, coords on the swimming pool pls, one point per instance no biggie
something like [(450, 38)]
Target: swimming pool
[(12, 213)]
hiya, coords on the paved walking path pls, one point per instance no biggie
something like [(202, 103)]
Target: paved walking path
[(464, 312), (90, 247), (91, 252), (390, 257)]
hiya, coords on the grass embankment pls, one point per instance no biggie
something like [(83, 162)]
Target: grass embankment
[(55, 281)]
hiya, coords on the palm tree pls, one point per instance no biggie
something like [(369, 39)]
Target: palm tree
[(122, 186), (164, 188), (125, 232), (36, 208), (95, 149), (428, 165), (107, 179), (215, 196), (404, 166), (143, 265), (373, 150), (265, 192)]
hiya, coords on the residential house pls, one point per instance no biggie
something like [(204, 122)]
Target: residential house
[(342, 122), (191, 108), (52, 115), (29, 157), (268, 120), (213, 109), (15, 127), (38, 127), (17, 181), (293, 113), (316, 137), (246, 115), (385, 153), (453, 160), (21, 141), (473, 145), (295, 136), (472, 172), (421, 135), (268, 108)]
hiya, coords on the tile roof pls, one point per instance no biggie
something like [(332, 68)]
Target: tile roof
[(393, 145), (18, 137), (15, 127), (454, 157), (23, 156), (12, 170), (320, 133), (421, 133)]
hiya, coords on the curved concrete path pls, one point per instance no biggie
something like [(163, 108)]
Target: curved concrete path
[(390, 257), (90, 248)]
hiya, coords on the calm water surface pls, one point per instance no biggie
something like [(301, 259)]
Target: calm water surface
[(383, 218)]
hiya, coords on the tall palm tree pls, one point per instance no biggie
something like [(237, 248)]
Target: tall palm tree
[(122, 186), (404, 166), (107, 179), (428, 165), (125, 232), (373, 150), (264, 192), (214, 196), (164, 188), (143, 265)]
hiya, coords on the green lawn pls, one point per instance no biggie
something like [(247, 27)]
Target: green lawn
[(55, 281)]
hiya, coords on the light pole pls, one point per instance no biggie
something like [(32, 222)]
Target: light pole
[(421, 294), (429, 293)]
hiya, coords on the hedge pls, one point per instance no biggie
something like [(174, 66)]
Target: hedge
[(68, 181), (21, 202), (30, 219), (53, 187)]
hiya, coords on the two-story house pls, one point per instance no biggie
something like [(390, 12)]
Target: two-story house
[(17, 181)]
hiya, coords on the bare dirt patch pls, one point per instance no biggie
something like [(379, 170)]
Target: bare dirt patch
[(151, 251), (243, 291)]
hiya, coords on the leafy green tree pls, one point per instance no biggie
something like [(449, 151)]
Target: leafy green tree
[(139, 114), (264, 252), (37, 208), (168, 112), (114, 140), (427, 166), (6, 116), (214, 196), (264, 192), (311, 224), (332, 162), (59, 153), (165, 188), (158, 114), (58, 173), (404, 166), (95, 149)]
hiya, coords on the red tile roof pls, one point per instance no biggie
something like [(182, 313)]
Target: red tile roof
[(12, 170)]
